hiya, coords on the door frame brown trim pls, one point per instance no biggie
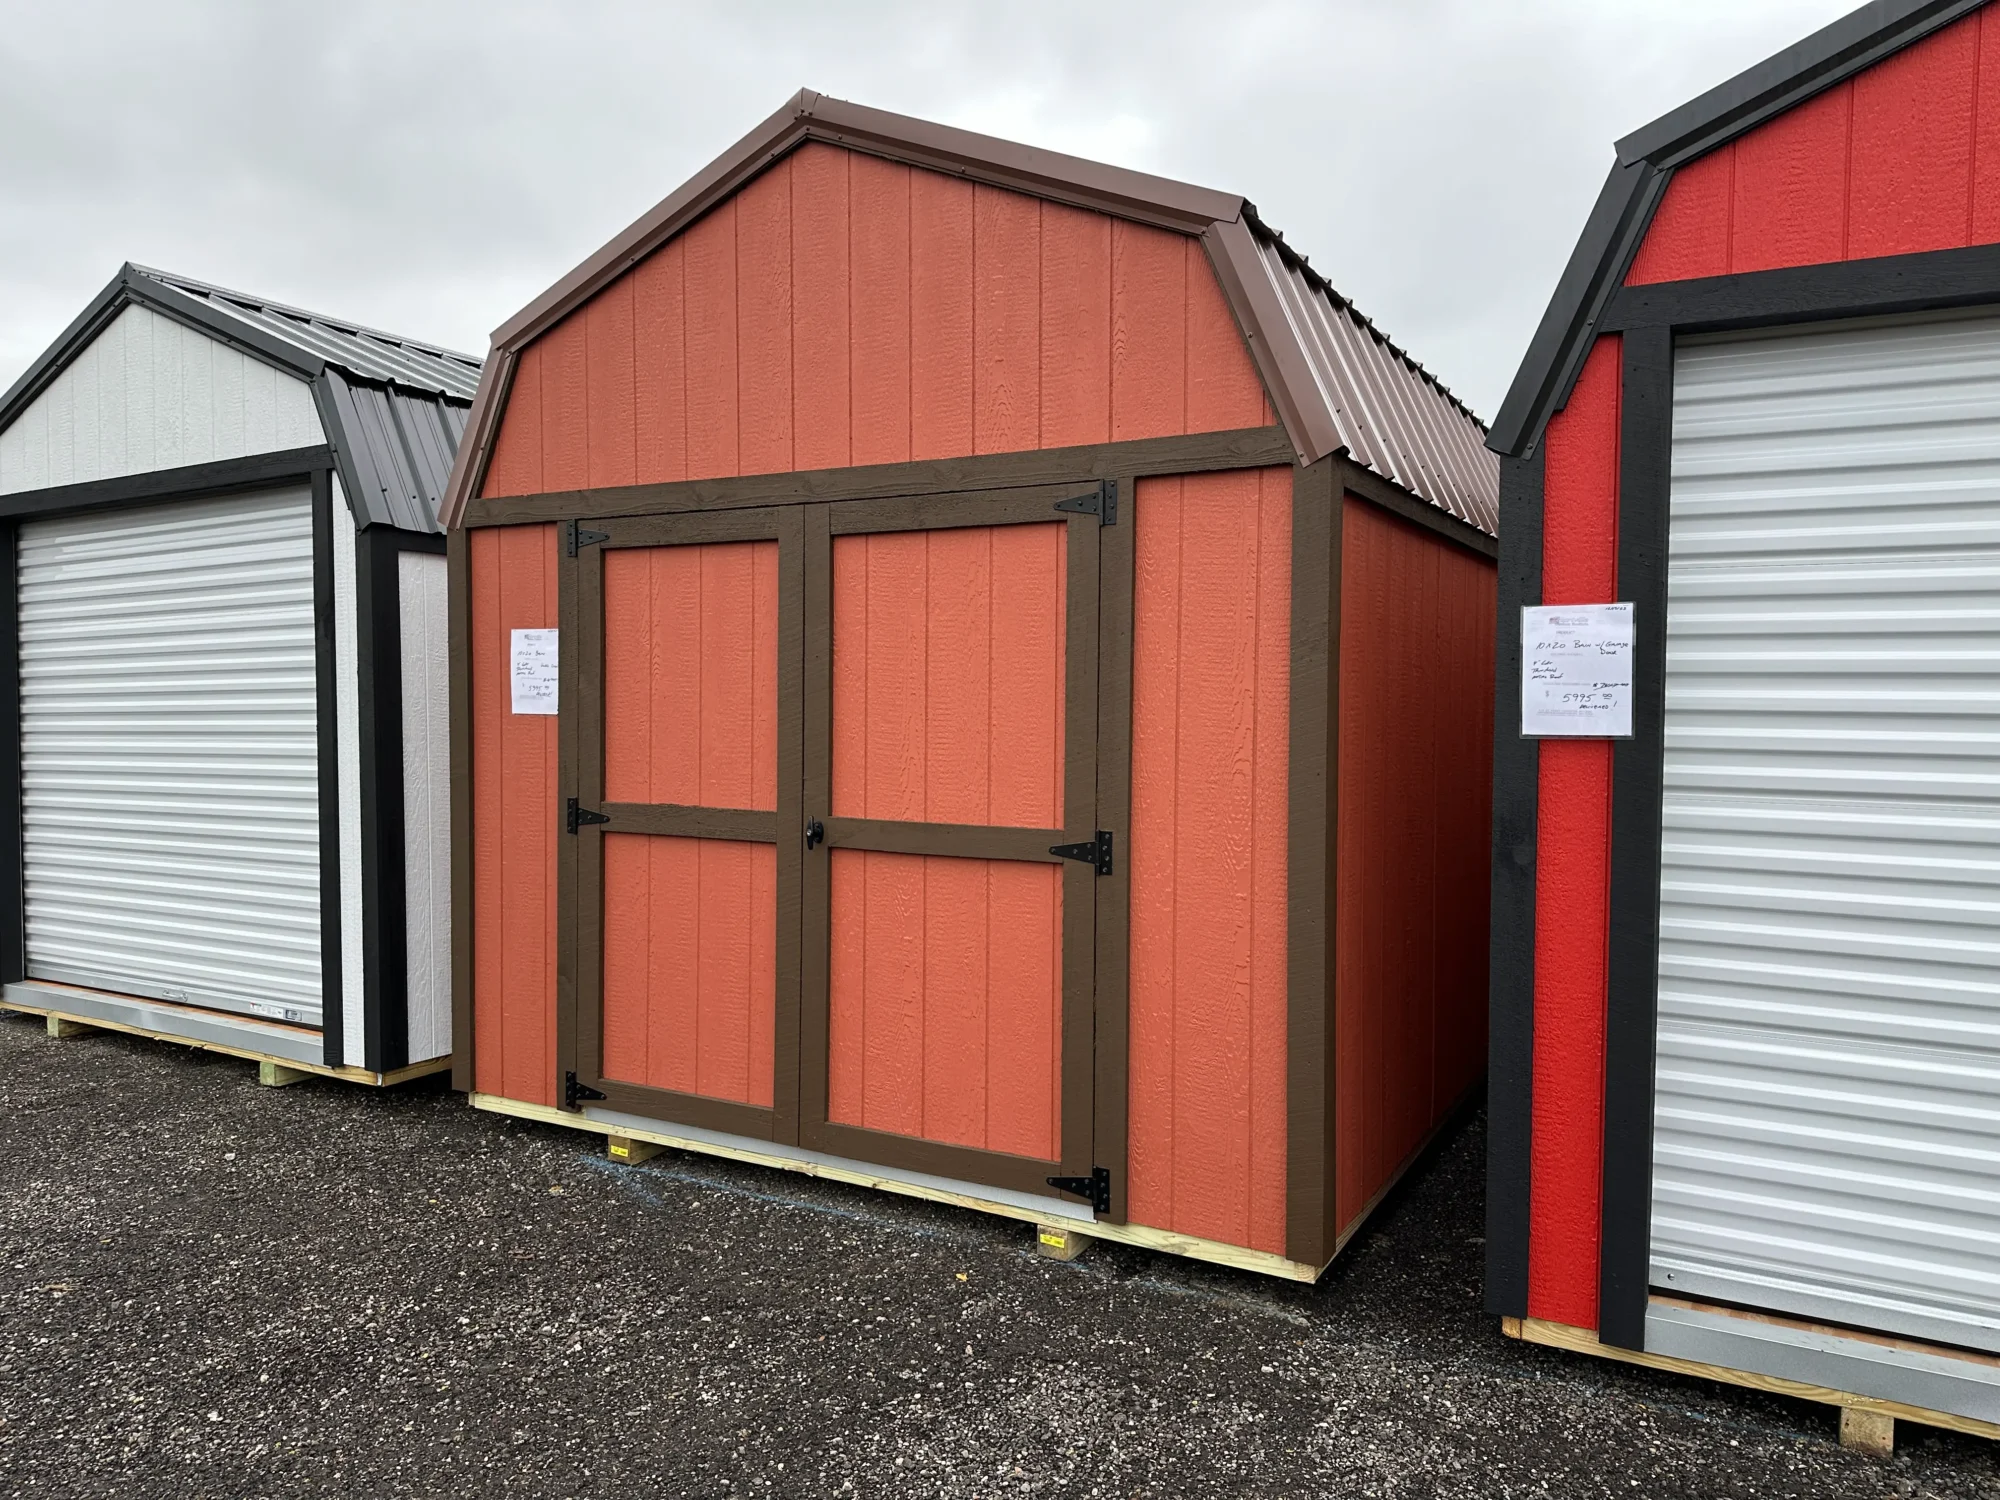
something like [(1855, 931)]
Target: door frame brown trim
[(1112, 1043), (1195, 453), (974, 508), (580, 969)]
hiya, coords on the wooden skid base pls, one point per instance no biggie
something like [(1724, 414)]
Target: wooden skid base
[(624, 1149), (1867, 1423), (1260, 1261), (1061, 1242), (60, 1024)]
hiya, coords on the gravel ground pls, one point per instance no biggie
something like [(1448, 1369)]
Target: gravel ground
[(212, 1289)]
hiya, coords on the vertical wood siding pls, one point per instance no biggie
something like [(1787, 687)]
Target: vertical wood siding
[(1416, 694), (514, 823), (691, 717), (1573, 871), (948, 681), (1210, 716), (842, 310), (149, 393), (948, 675), (1901, 158)]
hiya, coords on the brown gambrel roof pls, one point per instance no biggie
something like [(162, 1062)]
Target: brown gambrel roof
[(1338, 384)]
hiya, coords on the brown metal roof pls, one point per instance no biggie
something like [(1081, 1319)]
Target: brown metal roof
[(1337, 382)]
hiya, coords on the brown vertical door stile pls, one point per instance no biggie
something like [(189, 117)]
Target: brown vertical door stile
[(951, 716), (683, 943), (1114, 812)]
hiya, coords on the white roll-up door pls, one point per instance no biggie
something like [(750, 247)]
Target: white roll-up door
[(169, 755), (1827, 1121)]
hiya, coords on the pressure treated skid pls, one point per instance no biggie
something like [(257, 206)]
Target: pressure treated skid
[(629, 1134), (1866, 1422), (272, 1071)]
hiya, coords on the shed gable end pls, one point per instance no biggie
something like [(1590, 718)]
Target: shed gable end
[(844, 309), (151, 393), (1901, 158)]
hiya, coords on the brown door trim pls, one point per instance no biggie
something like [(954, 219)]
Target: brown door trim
[(1028, 505), (582, 968), (1196, 453), (1111, 1087)]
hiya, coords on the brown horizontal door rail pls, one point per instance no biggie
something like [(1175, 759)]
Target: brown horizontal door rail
[(670, 820), (952, 840), (1201, 452)]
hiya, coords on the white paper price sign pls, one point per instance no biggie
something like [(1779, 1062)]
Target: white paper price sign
[(534, 671), (1576, 670)]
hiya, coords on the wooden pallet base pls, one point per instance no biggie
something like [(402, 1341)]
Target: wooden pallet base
[(63, 1025), (1867, 1423), (1260, 1261)]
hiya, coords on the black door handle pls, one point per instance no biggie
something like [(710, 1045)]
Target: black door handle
[(815, 832)]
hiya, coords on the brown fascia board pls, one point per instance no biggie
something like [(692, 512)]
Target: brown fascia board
[(809, 116), (1274, 346)]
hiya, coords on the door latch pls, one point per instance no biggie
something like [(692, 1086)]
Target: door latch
[(815, 832)]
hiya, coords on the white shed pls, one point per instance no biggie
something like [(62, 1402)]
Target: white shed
[(224, 805)]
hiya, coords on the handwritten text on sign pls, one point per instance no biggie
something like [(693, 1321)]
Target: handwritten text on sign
[(534, 671), (1576, 670)]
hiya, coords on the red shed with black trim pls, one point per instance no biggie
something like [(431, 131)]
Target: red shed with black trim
[(997, 648), (1745, 1066)]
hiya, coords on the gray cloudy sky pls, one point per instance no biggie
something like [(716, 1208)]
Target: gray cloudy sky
[(429, 167)]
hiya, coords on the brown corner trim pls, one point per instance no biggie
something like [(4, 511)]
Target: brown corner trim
[(1311, 1233), (458, 612)]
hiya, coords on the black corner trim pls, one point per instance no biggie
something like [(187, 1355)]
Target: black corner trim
[(326, 678), (1511, 1000), (1632, 981)]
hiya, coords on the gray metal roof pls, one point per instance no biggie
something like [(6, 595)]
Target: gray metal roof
[(393, 409), (1390, 413), (365, 352)]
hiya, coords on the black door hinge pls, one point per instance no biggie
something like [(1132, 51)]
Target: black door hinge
[(1096, 853), (1096, 1187), (1101, 502), (579, 816), (581, 536), (575, 1092)]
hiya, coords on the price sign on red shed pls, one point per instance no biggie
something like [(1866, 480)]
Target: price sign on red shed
[(534, 671), (1576, 671)]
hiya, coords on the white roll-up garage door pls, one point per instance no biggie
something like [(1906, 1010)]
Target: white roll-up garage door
[(169, 755), (1827, 1122)]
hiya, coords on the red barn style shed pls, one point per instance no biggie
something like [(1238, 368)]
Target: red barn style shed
[(1018, 637), (1746, 992)]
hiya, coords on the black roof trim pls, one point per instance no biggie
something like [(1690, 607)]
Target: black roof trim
[(393, 441), (1647, 159), (1829, 56)]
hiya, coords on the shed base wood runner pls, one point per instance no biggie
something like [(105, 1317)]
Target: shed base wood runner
[(624, 1128)]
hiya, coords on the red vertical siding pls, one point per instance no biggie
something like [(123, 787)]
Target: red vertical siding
[(1416, 679), (911, 314), (513, 578), (1572, 873), (948, 688), (1210, 797), (691, 717), (1898, 159)]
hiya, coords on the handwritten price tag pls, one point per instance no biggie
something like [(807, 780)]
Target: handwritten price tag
[(1576, 670), (534, 671)]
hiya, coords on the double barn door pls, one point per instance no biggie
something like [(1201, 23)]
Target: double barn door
[(833, 774)]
